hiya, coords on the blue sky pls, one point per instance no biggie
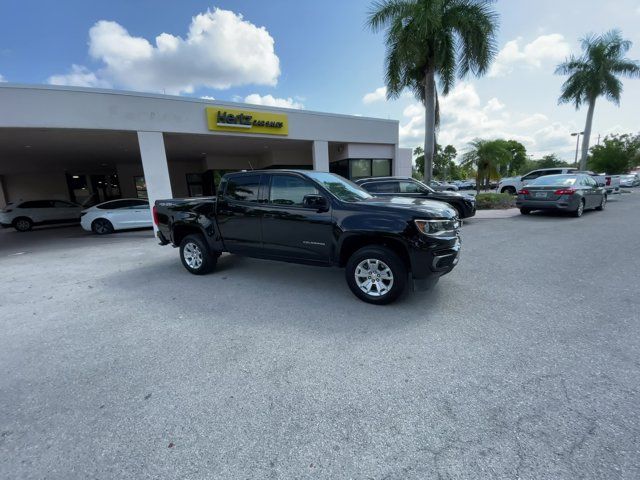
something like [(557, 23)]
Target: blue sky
[(318, 56)]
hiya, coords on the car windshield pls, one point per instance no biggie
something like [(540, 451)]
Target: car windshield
[(560, 180), (342, 188)]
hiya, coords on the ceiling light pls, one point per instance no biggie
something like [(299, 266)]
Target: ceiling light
[(76, 176)]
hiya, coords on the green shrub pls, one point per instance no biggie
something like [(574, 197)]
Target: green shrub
[(490, 201)]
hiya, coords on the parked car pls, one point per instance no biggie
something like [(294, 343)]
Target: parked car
[(467, 185), (572, 193), (122, 214), (630, 180), (443, 186), (408, 187), (513, 184), (316, 218), (24, 215)]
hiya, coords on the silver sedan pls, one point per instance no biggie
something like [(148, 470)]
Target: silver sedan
[(570, 193)]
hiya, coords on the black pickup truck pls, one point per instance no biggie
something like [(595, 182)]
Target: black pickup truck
[(315, 218)]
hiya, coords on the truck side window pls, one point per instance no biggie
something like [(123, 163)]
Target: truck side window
[(382, 187), (289, 190), (243, 188), (409, 187)]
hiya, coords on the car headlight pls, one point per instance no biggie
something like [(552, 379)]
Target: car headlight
[(437, 227)]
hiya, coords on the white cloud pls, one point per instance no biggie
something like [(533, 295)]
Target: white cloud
[(377, 95), (220, 50), (494, 105), (532, 120), (207, 97), (2, 79), (465, 117), (78, 76), (543, 50), (271, 101)]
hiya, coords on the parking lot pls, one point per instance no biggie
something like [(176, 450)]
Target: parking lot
[(522, 363)]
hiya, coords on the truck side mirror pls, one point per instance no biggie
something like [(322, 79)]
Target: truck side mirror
[(316, 202)]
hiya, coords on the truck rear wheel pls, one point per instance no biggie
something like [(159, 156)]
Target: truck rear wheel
[(195, 255), (376, 275)]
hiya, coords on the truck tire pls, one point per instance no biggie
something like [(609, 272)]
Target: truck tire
[(195, 255), (525, 211), (375, 274)]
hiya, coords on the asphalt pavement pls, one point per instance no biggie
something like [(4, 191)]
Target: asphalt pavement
[(523, 363)]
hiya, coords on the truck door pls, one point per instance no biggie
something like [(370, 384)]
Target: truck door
[(239, 216), (291, 230)]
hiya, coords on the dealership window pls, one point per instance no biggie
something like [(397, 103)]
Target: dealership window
[(380, 167), (195, 185), (141, 187), (362, 168)]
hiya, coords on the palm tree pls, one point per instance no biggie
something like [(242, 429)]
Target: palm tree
[(487, 156), (433, 38), (594, 74)]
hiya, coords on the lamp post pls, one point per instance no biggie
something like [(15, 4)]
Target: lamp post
[(577, 134)]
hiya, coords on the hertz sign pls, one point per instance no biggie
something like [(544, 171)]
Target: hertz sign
[(244, 121)]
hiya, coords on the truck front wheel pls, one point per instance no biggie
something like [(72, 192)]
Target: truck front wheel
[(195, 255), (375, 274)]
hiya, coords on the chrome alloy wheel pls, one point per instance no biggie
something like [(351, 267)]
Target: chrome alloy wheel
[(580, 209), (374, 277), (192, 255)]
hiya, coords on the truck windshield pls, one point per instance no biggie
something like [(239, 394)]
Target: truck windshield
[(340, 187)]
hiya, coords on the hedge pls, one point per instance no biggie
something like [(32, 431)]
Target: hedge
[(490, 201)]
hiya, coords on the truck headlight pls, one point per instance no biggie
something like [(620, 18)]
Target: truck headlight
[(437, 227)]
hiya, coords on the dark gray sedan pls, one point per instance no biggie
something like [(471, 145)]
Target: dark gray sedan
[(570, 193)]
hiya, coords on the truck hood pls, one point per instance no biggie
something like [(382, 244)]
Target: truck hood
[(417, 206)]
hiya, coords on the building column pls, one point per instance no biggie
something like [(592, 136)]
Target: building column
[(321, 155), (154, 164)]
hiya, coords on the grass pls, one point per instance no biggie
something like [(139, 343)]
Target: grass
[(493, 201)]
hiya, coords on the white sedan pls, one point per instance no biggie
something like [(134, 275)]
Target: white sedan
[(123, 214)]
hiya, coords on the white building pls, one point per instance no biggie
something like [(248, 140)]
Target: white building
[(75, 143)]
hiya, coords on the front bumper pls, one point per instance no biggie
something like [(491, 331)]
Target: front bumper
[(433, 257)]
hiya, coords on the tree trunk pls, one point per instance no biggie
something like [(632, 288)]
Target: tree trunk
[(429, 123), (587, 134)]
